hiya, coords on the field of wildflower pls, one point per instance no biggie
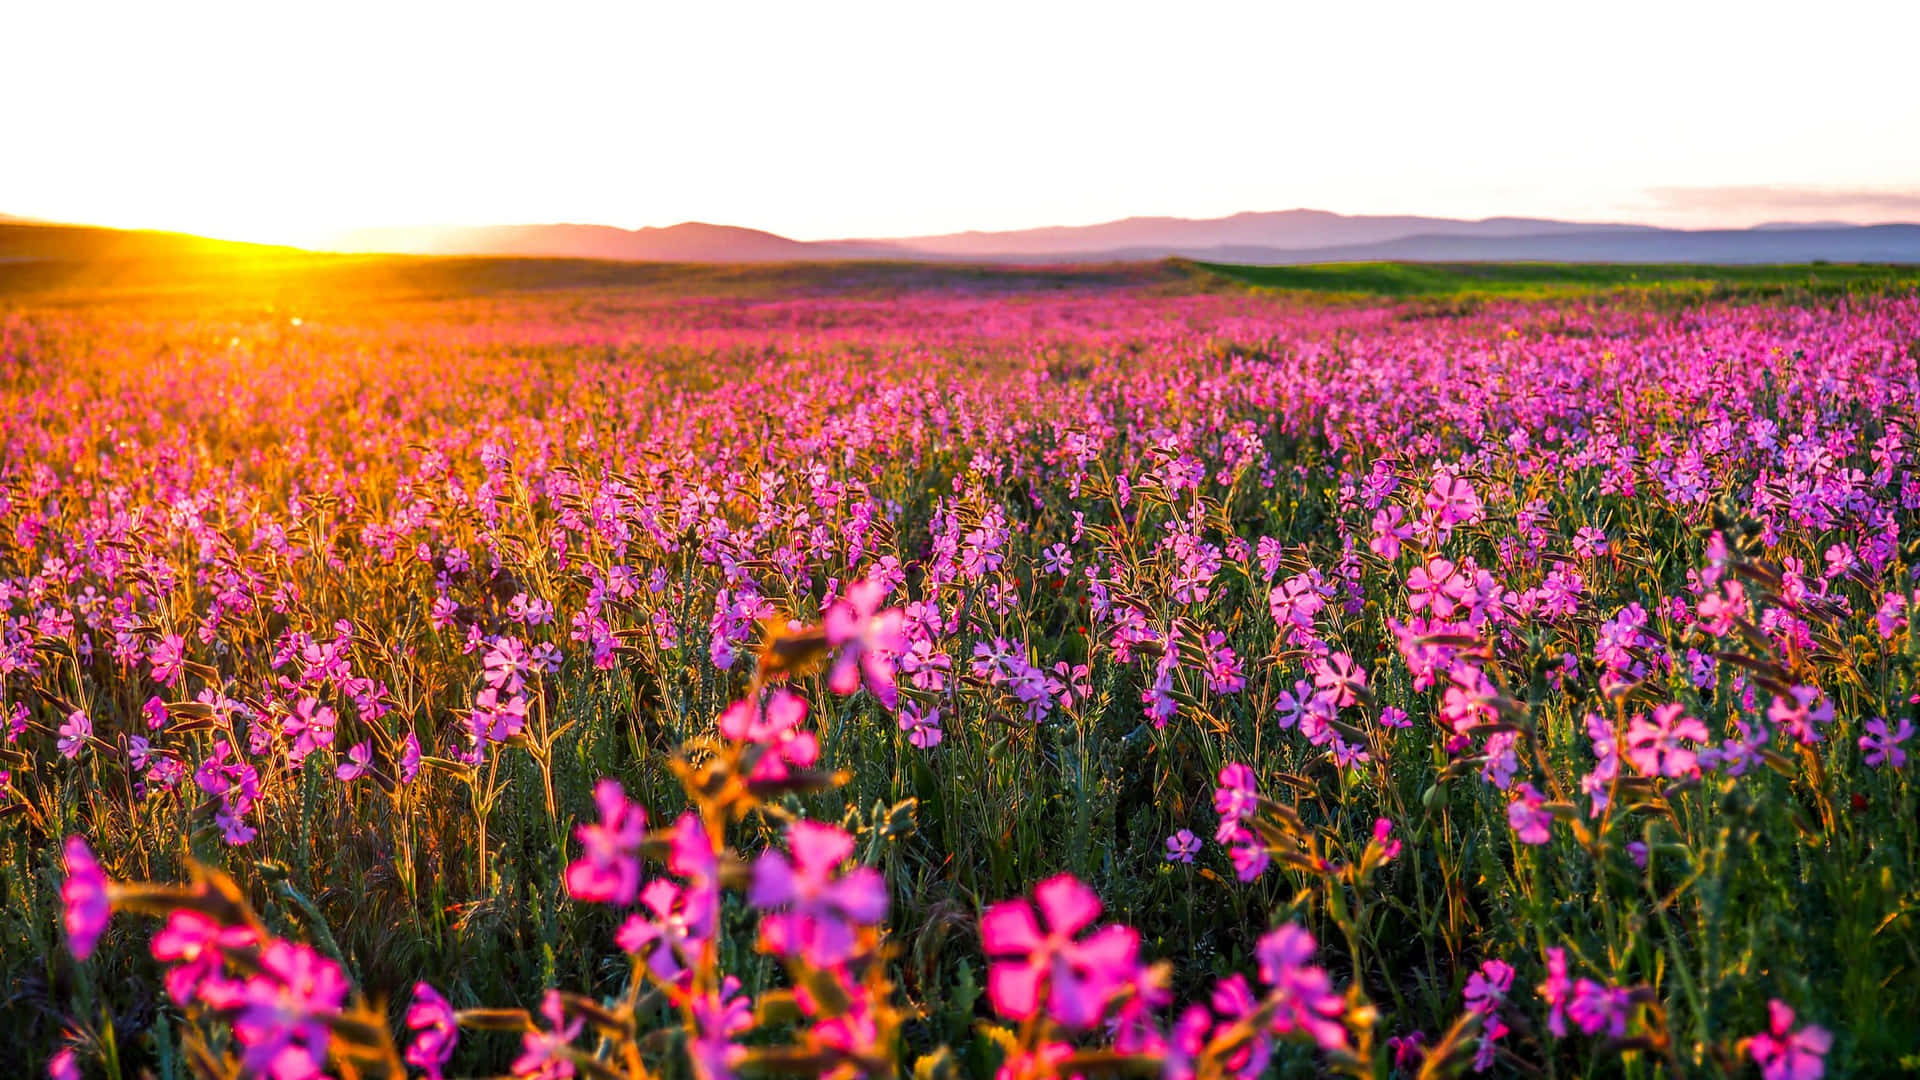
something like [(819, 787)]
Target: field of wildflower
[(1074, 678)]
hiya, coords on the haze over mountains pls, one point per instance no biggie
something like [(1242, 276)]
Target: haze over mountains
[(1278, 237), (1285, 237)]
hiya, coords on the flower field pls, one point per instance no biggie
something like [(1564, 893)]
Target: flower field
[(1081, 681)]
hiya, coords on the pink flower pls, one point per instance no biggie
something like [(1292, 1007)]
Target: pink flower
[(817, 909), (545, 1055), (436, 1030), (196, 945), (1525, 816), (1654, 747), (1798, 713), (84, 896), (359, 760), (1487, 988), (61, 1066), (608, 870), (1437, 586), (1301, 993), (680, 922), (777, 728), (1556, 990), (1785, 1054), (284, 1012), (868, 641), (168, 659), (717, 1018), (1339, 679), (1029, 965), (922, 726), (74, 734)]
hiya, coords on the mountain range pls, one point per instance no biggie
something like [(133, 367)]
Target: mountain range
[(1286, 237), (1277, 238)]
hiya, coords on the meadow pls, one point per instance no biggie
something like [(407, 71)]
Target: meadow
[(471, 668)]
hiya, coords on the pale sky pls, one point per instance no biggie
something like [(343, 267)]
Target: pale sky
[(289, 121)]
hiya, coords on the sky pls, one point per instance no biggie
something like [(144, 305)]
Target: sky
[(287, 121)]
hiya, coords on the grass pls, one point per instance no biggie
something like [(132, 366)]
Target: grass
[(1537, 281)]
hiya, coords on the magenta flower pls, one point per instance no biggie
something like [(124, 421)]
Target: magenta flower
[(1436, 586), (1487, 988), (1030, 966), (1797, 713), (284, 1012), (1654, 744), (681, 921), (547, 1055), (868, 641), (1556, 990), (717, 1018), (359, 760), (61, 1066), (922, 725), (1301, 993), (435, 1030), (777, 728), (1786, 1054), (817, 910), (1883, 746), (1237, 796), (168, 659), (608, 870), (84, 897), (1339, 679), (74, 734), (1182, 846), (196, 945), (1524, 815), (1597, 1007)]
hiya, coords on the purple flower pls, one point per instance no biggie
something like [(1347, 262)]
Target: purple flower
[(1883, 746), (359, 760), (777, 729), (817, 909), (681, 920), (74, 734), (546, 1055), (1182, 846), (1525, 816), (1654, 747)]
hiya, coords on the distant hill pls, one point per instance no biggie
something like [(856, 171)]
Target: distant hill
[(691, 241), (1282, 238)]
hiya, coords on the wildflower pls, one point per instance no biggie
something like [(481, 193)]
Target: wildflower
[(1301, 994), (544, 1055), (195, 944), (868, 640), (61, 1065), (1487, 987), (1339, 679), (284, 1011), (608, 871), (168, 659), (74, 734), (1597, 1007), (1182, 846), (1654, 747), (677, 925), (84, 897), (1556, 990), (921, 725), (1882, 746), (1437, 586), (1524, 814), (717, 1018), (1799, 711), (776, 727), (359, 760), (436, 1030), (1784, 1053), (817, 909), (1073, 976)]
